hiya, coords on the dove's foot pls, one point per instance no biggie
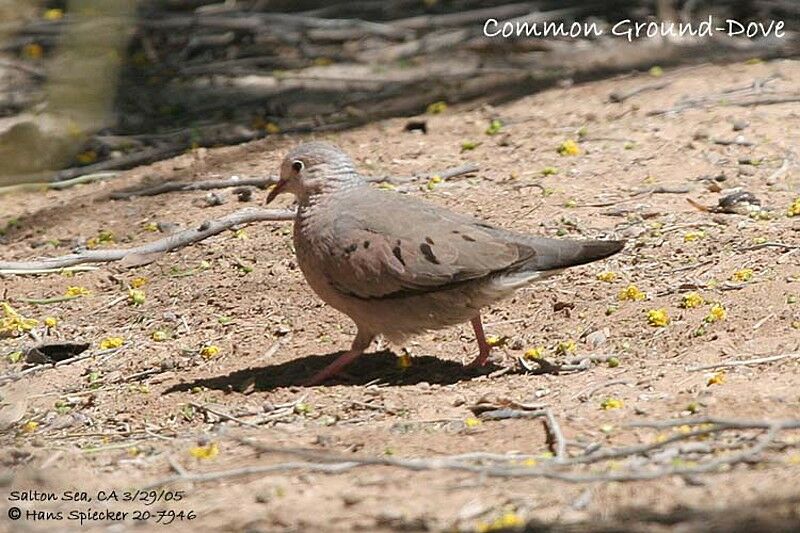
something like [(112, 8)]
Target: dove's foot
[(361, 343), (483, 346)]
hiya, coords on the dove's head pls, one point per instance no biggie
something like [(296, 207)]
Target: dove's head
[(313, 168)]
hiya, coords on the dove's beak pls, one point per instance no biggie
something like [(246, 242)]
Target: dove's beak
[(276, 190)]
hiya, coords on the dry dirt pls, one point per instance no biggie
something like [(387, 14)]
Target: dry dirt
[(99, 424)]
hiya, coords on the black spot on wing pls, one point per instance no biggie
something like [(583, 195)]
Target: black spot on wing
[(398, 253), (426, 250)]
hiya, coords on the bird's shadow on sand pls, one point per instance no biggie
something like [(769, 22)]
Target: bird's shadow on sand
[(379, 367)]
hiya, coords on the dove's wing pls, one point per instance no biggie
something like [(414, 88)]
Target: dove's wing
[(383, 245)]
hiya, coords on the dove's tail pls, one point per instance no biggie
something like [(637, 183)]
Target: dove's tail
[(550, 256)]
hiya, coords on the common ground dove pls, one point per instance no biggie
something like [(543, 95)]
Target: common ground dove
[(399, 266)]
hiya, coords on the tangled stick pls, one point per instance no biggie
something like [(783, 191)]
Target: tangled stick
[(167, 244)]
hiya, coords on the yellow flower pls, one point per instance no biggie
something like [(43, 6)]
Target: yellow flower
[(433, 182), (436, 107), (569, 147), (607, 276), (84, 158), (404, 362), (273, 128), (210, 351), (53, 14), (138, 283), (658, 318), (494, 340), (208, 451), (494, 127), (566, 347), (51, 322), (136, 296), (508, 521), (77, 291), (744, 274), (692, 300), (150, 226), (611, 403), (716, 379), (469, 145), (656, 71), (472, 422), (632, 293), (691, 236), (13, 323), (717, 312), (549, 171), (30, 426), (534, 353), (111, 342), (794, 208), (32, 51), (159, 335)]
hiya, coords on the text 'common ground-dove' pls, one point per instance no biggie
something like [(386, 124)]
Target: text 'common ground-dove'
[(399, 266)]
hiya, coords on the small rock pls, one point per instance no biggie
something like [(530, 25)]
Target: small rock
[(740, 124), (597, 338)]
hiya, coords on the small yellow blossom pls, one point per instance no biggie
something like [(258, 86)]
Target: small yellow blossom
[(159, 335), (716, 313), (472, 422), (404, 362), (607, 276), (534, 353), (51, 322), (469, 145), (494, 127), (84, 158), (30, 426), (530, 462), (658, 318), (494, 340), (566, 347), (77, 291), (656, 71), (744, 274), (632, 293), (508, 521), (433, 182), (13, 323), (794, 208), (716, 379), (611, 403), (692, 300), (272, 128), (240, 234), (150, 226), (53, 14), (111, 342), (436, 107), (138, 283), (209, 451), (549, 171), (210, 351), (691, 236), (32, 51), (136, 296), (569, 147)]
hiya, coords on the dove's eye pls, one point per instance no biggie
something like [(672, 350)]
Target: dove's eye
[(297, 165)]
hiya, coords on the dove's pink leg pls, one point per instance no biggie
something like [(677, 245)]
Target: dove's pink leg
[(361, 343), (483, 346)]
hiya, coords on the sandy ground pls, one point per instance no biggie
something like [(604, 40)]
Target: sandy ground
[(125, 420)]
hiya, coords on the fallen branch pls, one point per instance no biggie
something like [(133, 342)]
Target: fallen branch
[(167, 244), (475, 462), (205, 185), (747, 362), (618, 97)]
